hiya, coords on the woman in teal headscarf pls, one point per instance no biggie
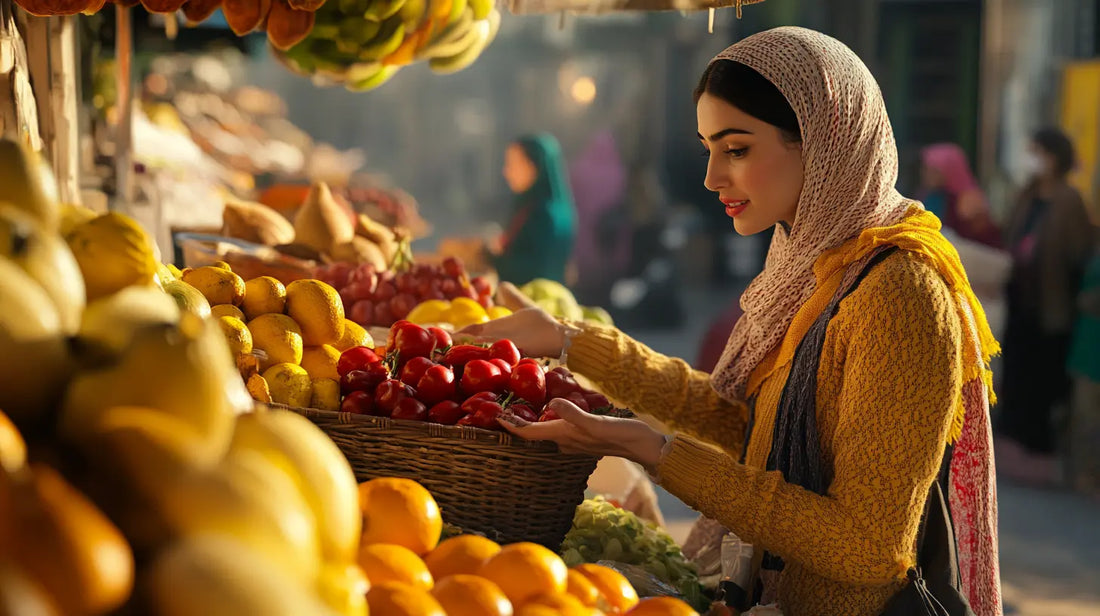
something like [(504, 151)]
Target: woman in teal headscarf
[(538, 242)]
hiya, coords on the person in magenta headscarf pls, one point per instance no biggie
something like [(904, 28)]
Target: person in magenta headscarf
[(598, 179), (950, 191)]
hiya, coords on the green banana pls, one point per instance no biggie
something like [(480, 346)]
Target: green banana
[(386, 42), (351, 7), (381, 10), (412, 13), (458, 9), (452, 40), (487, 31), (354, 32), (362, 71), (380, 77), (325, 31), (482, 8)]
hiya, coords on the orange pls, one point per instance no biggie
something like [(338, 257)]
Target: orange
[(526, 570), (462, 554), (537, 610), (563, 604), (469, 595), (13, 451), (662, 606), (69, 546), (583, 589), (394, 563), (401, 512), (396, 599), (615, 588)]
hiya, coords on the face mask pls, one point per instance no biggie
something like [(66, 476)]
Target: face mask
[(1032, 165)]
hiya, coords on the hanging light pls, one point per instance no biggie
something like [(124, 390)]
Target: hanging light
[(583, 90)]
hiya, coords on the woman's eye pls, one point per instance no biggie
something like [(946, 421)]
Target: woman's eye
[(737, 152)]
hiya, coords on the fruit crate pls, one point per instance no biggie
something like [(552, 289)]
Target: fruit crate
[(486, 482)]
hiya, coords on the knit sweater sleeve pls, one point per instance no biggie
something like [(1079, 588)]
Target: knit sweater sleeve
[(900, 340), (653, 384)]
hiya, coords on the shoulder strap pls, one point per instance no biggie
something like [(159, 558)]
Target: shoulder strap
[(796, 450)]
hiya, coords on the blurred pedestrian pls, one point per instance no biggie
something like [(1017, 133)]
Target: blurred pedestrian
[(1083, 439), (599, 182), (538, 241), (949, 190), (1050, 237)]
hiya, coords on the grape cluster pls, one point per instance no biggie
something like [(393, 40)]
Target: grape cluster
[(380, 298)]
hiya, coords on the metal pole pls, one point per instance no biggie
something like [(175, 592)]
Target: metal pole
[(124, 52), (989, 100)]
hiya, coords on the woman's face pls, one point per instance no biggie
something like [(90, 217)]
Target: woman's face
[(519, 171), (755, 171), (930, 177), (1040, 163)]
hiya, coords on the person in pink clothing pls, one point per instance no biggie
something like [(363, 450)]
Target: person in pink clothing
[(598, 178), (949, 190)]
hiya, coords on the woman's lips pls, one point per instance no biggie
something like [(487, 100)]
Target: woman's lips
[(735, 208)]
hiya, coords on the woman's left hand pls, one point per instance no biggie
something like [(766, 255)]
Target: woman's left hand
[(581, 432)]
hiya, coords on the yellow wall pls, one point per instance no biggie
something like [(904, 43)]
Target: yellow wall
[(1080, 118)]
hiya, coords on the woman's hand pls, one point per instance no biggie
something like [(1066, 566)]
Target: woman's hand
[(581, 432), (535, 332)]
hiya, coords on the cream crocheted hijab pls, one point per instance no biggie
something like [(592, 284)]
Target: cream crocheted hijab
[(850, 164)]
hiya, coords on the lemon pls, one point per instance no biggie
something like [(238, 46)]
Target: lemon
[(222, 265), (226, 310), (47, 258), (466, 304), (354, 335), (279, 337), (218, 285), (429, 311), (320, 361), (290, 384), (113, 252), (318, 309), (326, 395), (237, 335), (263, 295), (498, 312)]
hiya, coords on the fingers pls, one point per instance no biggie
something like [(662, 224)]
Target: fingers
[(543, 431), (570, 412), (512, 298)]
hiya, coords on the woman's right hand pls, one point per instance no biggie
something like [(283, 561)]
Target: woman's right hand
[(535, 332)]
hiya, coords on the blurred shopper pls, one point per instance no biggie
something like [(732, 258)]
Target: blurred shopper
[(1050, 237), (949, 190), (1083, 440), (599, 182), (538, 241)]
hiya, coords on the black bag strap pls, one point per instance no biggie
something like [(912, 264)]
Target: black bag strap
[(934, 582), (796, 446)]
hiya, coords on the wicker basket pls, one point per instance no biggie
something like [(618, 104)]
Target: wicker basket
[(485, 482)]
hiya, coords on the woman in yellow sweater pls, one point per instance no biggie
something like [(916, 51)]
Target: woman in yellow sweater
[(797, 137)]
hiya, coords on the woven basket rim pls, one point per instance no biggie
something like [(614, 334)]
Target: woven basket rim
[(429, 429)]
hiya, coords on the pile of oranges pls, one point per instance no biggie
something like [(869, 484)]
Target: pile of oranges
[(411, 573)]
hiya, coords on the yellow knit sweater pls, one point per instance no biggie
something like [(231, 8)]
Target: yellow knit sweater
[(888, 385)]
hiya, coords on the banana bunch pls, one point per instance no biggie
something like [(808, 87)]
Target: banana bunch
[(362, 44)]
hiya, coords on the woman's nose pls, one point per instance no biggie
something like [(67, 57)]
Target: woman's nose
[(717, 176)]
